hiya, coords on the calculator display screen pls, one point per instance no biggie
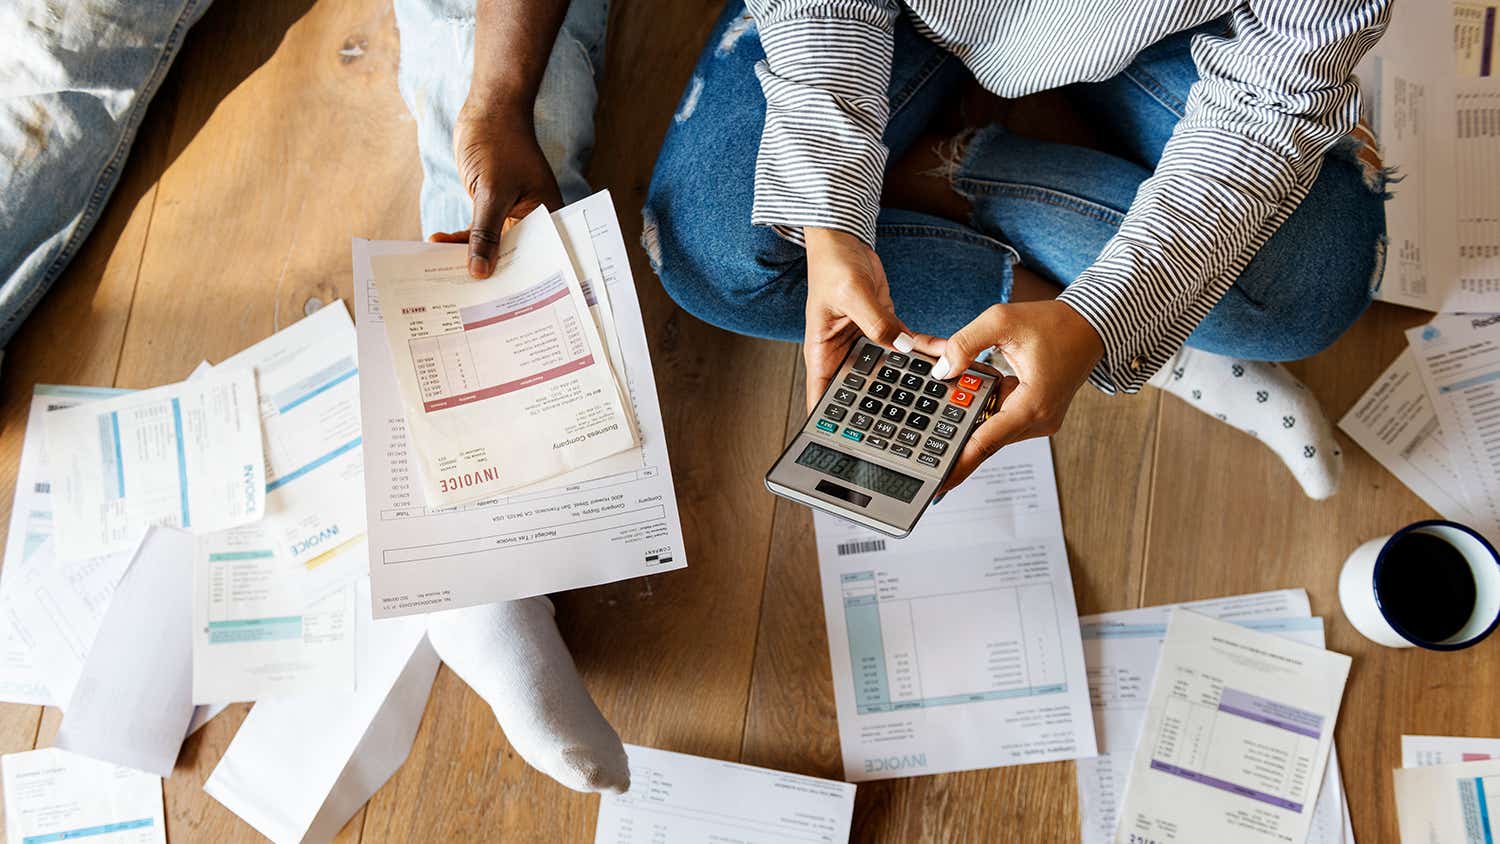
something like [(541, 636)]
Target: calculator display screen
[(860, 473)]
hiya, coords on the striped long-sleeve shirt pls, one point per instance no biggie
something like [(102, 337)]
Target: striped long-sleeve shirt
[(1273, 96)]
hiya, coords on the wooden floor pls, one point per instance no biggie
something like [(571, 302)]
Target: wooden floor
[(280, 133)]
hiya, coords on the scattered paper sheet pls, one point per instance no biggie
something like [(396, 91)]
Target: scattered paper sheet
[(1396, 423), (1433, 123), (1449, 804), (1121, 650), (300, 767), (1236, 737), (505, 381), (676, 797), (52, 795), (254, 634), (1421, 751), (308, 386), (609, 521), (134, 700), (1458, 358), (21, 680), (186, 455), (958, 647)]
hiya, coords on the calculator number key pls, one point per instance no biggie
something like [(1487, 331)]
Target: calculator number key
[(870, 405), (911, 382), (888, 374), (894, 413), (936, 389), (835, 412), (946, 430), (844, 397), (903, 397), (936, 446), (918, 421), (860, 421), (880, 389), (927, 404)]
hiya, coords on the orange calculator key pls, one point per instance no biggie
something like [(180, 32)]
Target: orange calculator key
[(969, 381), (962, 398)]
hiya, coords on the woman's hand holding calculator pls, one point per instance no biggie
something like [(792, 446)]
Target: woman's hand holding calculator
[(847, 296), (1052, 349)]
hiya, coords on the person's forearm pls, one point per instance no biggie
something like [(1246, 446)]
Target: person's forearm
[(512, 41)]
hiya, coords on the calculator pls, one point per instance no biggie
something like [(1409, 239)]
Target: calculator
[(883, 438)]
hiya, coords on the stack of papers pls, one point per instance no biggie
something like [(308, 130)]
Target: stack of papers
[(607, 520), (1447, 789), (958, 647), (1427, 418), (53, 795), (1122, 650)]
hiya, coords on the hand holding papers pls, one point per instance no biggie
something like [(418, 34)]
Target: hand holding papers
[(1236, 736), (52, 795), (607, 521), (675, 797), (185, 455), (505, 381)]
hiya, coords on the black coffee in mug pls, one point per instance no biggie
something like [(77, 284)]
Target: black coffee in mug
[(1425, 586)]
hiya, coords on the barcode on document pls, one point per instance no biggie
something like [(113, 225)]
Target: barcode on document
[(864, 546)]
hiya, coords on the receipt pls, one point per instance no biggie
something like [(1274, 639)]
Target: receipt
[(973, 663), (1449, 804), (254, 634), (53, 795), (1458, 358), (676, 797), (613, 519), (186, 455), (309, 415), (506, 381), (21, 680), (1235, 737)]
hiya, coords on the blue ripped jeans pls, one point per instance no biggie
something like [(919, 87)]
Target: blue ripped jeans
[(75, 80), (1051, 206)]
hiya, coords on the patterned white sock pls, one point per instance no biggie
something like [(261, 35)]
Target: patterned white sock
[(511, 654), (1266, 402)]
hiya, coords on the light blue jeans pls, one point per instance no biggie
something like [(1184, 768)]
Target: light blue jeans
[(1051, 206), (75, 79)]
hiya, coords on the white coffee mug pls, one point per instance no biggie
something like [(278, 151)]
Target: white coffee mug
[(1362, 601)]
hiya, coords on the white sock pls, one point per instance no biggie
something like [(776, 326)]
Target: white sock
[(511, 654), (1266, 402)]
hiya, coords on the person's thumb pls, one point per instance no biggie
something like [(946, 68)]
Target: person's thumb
[(484, 234), (969, 342)]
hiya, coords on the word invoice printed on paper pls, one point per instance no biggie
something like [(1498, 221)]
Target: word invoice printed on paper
[(505, 381)]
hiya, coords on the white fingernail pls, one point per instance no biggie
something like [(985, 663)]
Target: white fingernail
[(903, 342), (940, 369)]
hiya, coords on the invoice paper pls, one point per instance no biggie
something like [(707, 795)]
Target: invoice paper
[(1449, 804), (1433, 122), (30, 529), (300, 767), (1121, 650), (1395, 422), (186, 455), (957, 647), (1236, 737), (676, 797), (53, 795), (1421, 751), (254, 634), (1458, 357), (505, 381), (609, 521), (308, 385), (133, 702)]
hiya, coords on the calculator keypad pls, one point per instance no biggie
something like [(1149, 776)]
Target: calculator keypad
[(892, 405)]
